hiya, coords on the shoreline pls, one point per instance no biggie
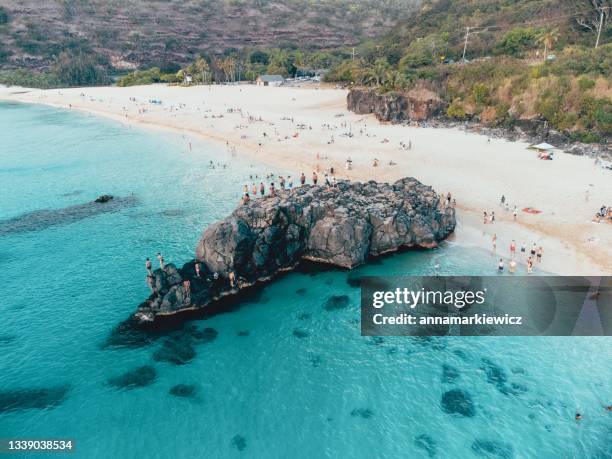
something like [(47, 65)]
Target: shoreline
[(563, 254)]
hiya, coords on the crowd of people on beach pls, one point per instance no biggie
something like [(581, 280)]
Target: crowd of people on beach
[(534, 255)]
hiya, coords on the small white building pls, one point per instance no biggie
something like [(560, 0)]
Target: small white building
[(269, 80)]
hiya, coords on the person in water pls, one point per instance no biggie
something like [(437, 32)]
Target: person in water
[(149, 266), (262, 189), (500, 266), (513, 248)]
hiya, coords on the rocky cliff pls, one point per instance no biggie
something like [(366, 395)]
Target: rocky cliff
[(415, 105), (342, 226)]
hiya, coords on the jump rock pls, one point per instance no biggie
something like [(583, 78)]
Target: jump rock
[(342, 226)]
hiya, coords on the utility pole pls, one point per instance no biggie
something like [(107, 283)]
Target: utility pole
[(467, 34)]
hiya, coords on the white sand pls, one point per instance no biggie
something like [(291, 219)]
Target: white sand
[(475, 171)]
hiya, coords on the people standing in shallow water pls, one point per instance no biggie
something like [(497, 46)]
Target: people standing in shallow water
[(529, 265), (302, 179), (500, 266), (539, 252), (262, 189), (512, 268), (149, 266)]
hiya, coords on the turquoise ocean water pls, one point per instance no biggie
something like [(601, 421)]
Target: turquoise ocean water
[(285, 377)]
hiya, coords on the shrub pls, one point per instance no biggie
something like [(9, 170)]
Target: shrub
[(456, 110)]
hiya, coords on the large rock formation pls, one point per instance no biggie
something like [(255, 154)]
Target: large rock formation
[(418, 104), (342, 226)]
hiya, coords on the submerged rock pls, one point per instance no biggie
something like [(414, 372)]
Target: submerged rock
[(365, 413), (39, 220), (183, 390), (426, 443), (138, 377), (493, 449), (239, 442), (335, 302), (27, 399), (340, 226), (458, 401)]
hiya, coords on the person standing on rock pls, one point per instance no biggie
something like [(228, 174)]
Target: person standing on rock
[(282, 182), (197, 270), (149, 266), (302, 179), (232, 279), (314, 178), (245, 199), (272, 189), (262, 189), (290, 183), (160, 258)]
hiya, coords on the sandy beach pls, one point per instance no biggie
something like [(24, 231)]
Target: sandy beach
[(307, 129)]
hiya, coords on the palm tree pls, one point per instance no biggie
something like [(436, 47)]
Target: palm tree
[(548, 38), (380, 69), (395, 80), (201, 66)]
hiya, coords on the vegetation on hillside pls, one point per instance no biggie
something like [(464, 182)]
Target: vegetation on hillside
[(525, 59)]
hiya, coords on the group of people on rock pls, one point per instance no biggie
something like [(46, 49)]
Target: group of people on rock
[(149, 264), (284, 184)]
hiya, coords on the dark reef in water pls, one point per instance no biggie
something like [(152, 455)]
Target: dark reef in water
[(497, 376), (365, 413), (459, 402), (493, 449), (27, 399), (239, 442), (426, 443), (342, 227), (41, 219), (177, 349), (298, 333), (137, 377), (449, 374), (184, 390), (336, 302)]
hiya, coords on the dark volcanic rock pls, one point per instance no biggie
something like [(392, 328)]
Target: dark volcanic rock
[(340, 226), (104, 198), (27, 399), (417, 104)]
